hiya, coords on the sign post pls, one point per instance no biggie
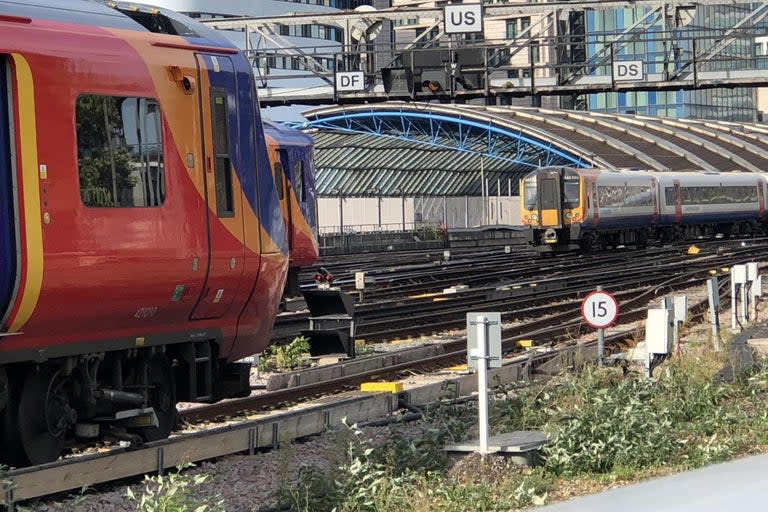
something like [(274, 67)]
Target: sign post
[(484, 350), (599, 309)]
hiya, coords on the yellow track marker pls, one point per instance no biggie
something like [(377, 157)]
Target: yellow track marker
[(379, 387), (423, 296), (525, 343)]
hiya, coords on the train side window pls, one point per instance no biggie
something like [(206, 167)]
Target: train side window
[(222, 170), (530, 191), (669, 196), (298, 180), (278, 172), (119, 151)]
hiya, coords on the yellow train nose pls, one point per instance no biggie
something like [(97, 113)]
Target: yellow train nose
[(550, 218)]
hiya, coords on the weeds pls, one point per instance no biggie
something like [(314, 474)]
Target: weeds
[(604, 426), (175, 492), (285, 357)]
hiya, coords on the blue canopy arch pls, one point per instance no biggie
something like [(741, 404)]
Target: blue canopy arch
[(430, 149)]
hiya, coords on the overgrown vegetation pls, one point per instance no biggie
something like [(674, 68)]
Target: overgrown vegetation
[(175, 492), (604, 426), (285, 357)]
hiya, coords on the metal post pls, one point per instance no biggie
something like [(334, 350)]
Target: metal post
[(482, 381), (466, 211), (753, 301), (600, 341), (734, 322), (403, 210), (487, 204), (341, 214), (744, 304), (498, 200), (445, 212), (482, 189), (713, 292), (421, 209)]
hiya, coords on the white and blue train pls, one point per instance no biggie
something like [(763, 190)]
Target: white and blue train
[(585, 209)]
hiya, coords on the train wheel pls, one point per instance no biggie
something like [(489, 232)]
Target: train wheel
[(162, 397), (37, 418)]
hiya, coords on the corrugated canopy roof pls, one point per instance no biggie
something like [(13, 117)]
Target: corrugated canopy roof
[(416, 149)]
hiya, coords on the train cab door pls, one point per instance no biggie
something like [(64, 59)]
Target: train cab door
[(550, 194), (8, 264), (223, 196)]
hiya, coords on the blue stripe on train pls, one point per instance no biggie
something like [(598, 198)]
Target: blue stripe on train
[(7, 222), (248, 149)]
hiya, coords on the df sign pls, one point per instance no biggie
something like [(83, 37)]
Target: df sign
[(463, 18), (350, 81), (627, 70)]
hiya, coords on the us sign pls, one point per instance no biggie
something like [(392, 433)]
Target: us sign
[(463, 18)]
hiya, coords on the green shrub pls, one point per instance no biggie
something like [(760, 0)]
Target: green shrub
[(611, 427), (285, 357), (173, 493)]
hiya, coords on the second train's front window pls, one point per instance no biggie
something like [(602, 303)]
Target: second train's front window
[(571, 190)]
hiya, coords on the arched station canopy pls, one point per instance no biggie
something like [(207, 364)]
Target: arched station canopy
[(415, 149)]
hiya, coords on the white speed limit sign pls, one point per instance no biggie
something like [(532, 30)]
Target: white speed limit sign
[(599, 309)]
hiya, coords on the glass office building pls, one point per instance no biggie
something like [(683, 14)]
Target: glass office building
[(694, 32)]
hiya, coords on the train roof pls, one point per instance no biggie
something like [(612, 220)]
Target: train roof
[(285, 134), (118, 15)]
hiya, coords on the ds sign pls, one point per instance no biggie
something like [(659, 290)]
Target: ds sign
[(350, 81), (626, 70), (463, 18)]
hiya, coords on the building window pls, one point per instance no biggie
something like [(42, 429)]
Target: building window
[(524, 24), (535, 51), (512, 28), (119, 151)]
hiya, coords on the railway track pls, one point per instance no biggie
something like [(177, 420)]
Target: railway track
[(554, 325), (436, 309)]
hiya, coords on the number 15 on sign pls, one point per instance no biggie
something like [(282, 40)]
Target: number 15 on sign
[(599, 309)]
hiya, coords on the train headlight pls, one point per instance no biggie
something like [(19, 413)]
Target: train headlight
[(567, 215)]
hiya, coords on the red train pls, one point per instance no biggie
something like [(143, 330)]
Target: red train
[(291, 153), (142, 247)]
